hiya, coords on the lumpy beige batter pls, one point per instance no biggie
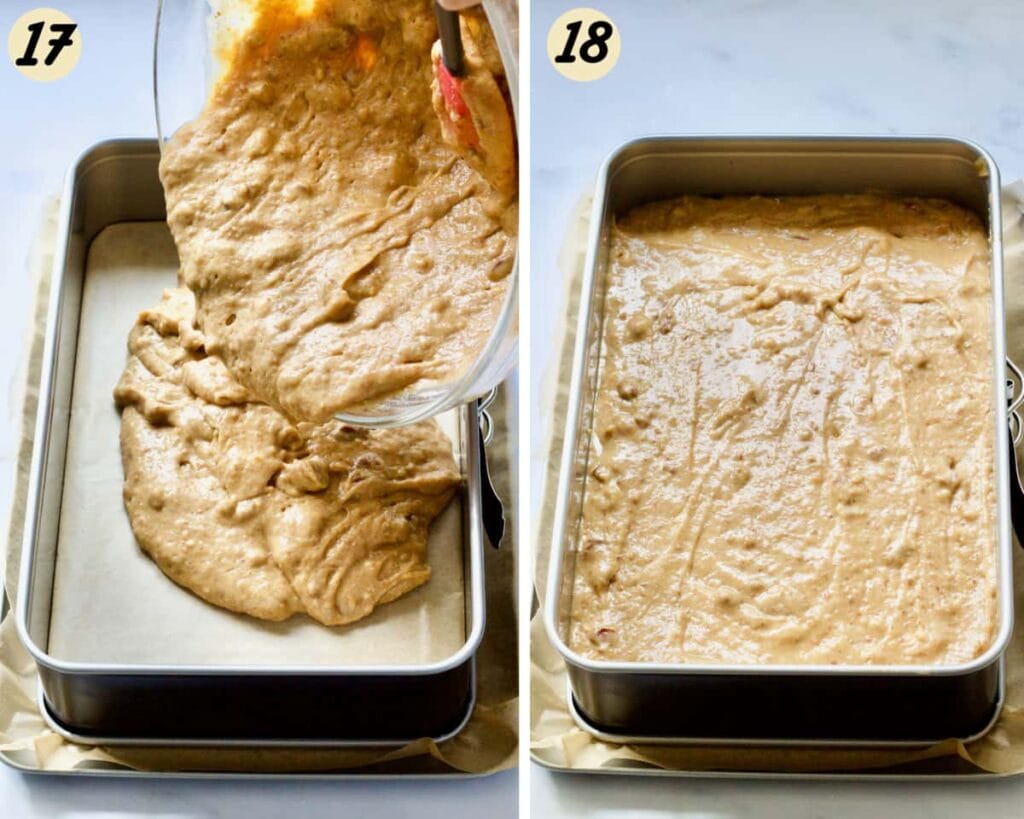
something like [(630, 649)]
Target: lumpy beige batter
[(340, 250), (792, 456), (255, 513)]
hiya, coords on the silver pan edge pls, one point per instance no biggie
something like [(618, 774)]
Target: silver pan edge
[(116, 181), (611, 695)]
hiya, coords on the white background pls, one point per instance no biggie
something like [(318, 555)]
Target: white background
[(776, 66), (42, 129)]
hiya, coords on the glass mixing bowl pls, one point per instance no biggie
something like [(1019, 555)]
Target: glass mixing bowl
[(184, 70)]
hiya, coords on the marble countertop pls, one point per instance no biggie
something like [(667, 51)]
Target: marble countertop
[(771, 67)]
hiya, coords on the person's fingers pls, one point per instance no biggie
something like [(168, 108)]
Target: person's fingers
[(455, 5)]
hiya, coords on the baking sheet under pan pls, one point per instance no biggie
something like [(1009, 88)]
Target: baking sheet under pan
[(126, 654), (767, 704)]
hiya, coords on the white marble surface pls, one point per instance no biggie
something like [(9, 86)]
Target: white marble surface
[(775, 66), (42, 128)]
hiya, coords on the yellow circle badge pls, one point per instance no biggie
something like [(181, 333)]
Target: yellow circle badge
[(583, 44), (44, 44)]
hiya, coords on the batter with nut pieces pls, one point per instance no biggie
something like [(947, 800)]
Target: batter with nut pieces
[(340, 249), (255, 513), (792, 449)]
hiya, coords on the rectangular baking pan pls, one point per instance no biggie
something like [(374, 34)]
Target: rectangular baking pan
[(116, 181), (776, 704)]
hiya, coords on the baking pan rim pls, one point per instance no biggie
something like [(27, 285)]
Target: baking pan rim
[(90, 157), (611, 165)]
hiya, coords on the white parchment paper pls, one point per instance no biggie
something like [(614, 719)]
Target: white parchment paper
[(111, 603)]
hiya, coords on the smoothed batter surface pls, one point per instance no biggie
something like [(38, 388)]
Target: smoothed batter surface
[(260, 515), (792, 455), (340, 251)]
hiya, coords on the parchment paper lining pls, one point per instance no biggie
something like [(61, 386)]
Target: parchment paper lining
[(486, 745), (111, 603), (557, 741)]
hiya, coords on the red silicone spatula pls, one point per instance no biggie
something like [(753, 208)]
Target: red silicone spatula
[(449, 68)]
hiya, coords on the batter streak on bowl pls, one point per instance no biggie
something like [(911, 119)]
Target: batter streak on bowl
[(340, 250)]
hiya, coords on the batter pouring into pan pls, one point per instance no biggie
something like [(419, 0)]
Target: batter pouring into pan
[(344, 212), (341, 245)]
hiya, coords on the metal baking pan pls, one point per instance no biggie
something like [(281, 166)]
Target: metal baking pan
[(114, 182), (774, 743), (772, 704)]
